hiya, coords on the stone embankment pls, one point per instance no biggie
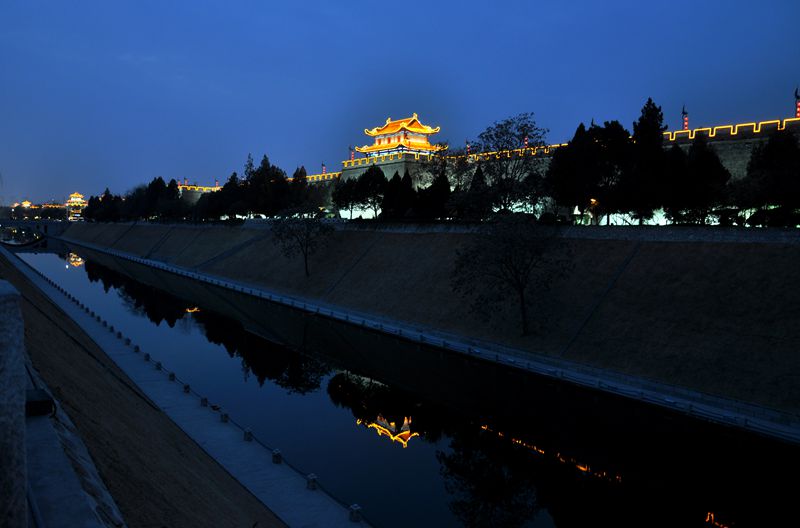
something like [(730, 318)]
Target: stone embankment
[(297, 498), (700, 320)]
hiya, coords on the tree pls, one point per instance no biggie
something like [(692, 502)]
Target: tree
[(489, 484), (507, 173), (154, 194), (390, 207), (298, 190), (615, 158), (399, 198), (408, 197), (587, 172), (573, 171), (249, 167), (227, 201), (370, 189), (509, 256), (170, 206), (433, 200), (301, 236), (676, 185), (474, 203), (344, 195), (639, 189), (707, 179), (773, 179)]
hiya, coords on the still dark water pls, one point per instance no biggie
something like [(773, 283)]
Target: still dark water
[(420, 437)]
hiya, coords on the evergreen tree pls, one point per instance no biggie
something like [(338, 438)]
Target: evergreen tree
[(639, 189), (614, 161), (706, 178), (298, 190), (344, 195), (408, 195), (230, 199), (477, 203), (572, 174), (370, 189), (135, 204), (390, 207), (676, 184), (433, 200), (278, 192), (249, 167), (773, 179), (256, 186), (154, 194), (169, 207)]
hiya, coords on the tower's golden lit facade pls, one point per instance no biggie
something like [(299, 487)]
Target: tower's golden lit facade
[(75, 206), (401, 135)]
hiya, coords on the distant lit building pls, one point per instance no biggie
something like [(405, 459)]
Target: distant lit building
[(398, 146), (75, 206), (24, 210), (407, 135)]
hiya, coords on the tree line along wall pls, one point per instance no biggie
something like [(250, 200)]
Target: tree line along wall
[(733, 153)]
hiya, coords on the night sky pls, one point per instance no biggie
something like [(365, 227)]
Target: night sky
[(96, 94)]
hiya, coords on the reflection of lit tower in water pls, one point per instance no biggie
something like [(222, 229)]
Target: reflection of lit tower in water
[(390, 429), (75, 260), (685, 118)]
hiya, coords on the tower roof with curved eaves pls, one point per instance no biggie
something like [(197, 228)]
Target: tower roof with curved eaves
[(411, 124)]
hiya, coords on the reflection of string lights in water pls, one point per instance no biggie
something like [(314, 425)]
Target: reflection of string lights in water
[(711, 520), (389, 429), (584, 468), (194, 309)]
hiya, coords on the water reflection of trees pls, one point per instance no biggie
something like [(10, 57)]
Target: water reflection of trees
[(493, 473), (490, 484), (289, 369), (368, 399), (489, 481)]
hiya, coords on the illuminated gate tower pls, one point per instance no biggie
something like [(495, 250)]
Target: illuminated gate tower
[(397, 146)]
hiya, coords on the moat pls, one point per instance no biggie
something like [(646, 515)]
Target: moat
[(419, 437)]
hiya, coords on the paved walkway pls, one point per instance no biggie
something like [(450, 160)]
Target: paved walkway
[(295, 498), (59, 494), (784, 426)]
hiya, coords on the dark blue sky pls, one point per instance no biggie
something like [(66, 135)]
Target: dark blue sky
[(96, 94)]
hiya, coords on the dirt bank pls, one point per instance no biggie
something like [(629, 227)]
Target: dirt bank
[(157, 475), (719, 316)]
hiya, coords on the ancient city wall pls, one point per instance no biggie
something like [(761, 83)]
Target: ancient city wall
[(733, 143)]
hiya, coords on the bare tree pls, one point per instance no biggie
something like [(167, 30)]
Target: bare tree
[(509, 258), (512, 169), (301, 236)]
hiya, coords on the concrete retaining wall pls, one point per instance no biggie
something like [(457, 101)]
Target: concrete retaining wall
[(701, 312), (13, 504)]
